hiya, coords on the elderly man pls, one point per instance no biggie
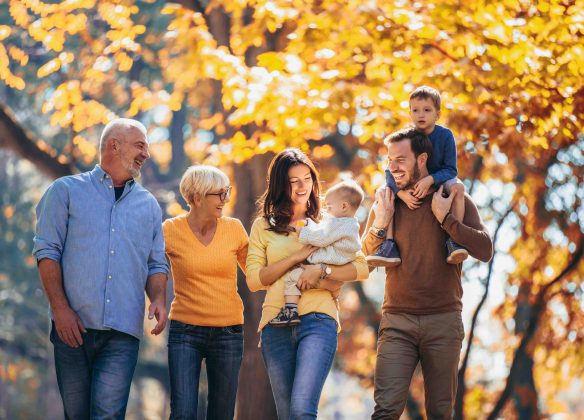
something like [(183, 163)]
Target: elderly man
[(421, 314), (98, 246)]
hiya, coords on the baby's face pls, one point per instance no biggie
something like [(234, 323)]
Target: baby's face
[(334, 205)]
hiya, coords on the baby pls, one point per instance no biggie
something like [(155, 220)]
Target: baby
[(337, 237)]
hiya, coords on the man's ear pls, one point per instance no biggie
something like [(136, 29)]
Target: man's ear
[(423, 159)]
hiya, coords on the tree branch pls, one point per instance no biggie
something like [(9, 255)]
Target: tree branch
[(13, 137), (538, 308), (460, 392)]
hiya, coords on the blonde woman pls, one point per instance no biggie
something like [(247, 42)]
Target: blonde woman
[(204, 249)]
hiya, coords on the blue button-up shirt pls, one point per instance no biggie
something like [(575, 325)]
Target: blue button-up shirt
[(106, 248)]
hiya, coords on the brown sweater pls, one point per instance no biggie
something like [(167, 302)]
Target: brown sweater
[(424, 283)]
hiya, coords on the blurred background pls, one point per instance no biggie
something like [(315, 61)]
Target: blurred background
[(228, 83)]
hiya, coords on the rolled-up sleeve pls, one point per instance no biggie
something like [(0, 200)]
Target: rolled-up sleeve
[(157, 260), (256, 256), (52, 214)]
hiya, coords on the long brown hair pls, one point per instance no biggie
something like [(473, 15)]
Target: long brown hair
[(275, 203)]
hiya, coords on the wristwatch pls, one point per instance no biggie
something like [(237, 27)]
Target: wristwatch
[(325, 271), (379, 232)]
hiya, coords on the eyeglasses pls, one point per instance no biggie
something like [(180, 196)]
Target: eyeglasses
[(223, 195)]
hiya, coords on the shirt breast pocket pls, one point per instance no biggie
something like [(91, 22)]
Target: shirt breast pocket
[(139, 231)]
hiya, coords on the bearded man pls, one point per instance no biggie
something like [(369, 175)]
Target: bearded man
[(421, 313)]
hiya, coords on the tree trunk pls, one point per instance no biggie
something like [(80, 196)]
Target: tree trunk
[(254, 395)]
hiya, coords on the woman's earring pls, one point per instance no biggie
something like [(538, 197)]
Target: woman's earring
[(308, 204)]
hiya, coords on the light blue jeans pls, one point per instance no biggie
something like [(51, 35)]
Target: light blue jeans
[(298, 360), (94, 379)]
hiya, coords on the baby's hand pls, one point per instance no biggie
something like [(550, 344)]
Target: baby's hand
[(422, 186), (300, 224), (406, 196)]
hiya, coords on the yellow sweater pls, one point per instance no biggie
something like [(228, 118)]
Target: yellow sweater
[(268, 247), (205, 277)]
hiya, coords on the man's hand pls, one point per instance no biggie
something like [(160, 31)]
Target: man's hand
[(310, 277), (384, 207), (423, 186), (157, 309), (69, 326), (408, 198), (441, 205)]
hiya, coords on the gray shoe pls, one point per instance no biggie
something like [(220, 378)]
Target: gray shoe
[(387, 255), (456, 253), (285, 318)]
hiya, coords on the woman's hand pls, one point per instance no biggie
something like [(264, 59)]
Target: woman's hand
[(301, 255), (310, 277)]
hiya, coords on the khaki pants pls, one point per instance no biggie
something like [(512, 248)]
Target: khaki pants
[(404, 340)]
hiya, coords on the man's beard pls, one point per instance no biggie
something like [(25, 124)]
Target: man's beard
[(415, 178), (135, 173)]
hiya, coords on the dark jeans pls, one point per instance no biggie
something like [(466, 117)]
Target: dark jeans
[(188, 345), (404, 340), (298, 360), (94, 379)]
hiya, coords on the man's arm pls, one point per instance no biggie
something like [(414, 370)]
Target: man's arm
[(157, 275), (51, 230), (156, 291), (471, 233), (68, 325)]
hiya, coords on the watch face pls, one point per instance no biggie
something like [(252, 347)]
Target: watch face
[(328, 270)]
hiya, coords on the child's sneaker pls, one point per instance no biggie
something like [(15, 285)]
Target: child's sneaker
[(286, 318), (456, 253), (387, 255)]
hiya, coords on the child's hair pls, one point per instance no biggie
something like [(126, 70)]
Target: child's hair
[(350, 192), (426, 92)]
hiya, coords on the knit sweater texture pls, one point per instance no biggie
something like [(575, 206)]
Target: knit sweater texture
[(205, 277), (424, 283)]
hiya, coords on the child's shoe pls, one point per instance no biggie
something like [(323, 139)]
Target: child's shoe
[(286, 318), (387, 255), (456, 253)]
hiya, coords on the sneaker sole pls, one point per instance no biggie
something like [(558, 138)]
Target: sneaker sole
[(458, 256), (280, 324), (382, 261)]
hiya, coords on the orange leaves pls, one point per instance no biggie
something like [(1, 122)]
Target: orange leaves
[(6, 74), (55, 64)]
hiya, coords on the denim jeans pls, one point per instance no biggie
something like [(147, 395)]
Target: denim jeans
[(188, 345), (94, 379), (298, 360)]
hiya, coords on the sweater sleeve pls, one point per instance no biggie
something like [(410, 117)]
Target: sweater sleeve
[(390, 181), (447, 161), (256, 256), (370, 242), (243, 246), (361, 266), (325, 233), (471, 233)]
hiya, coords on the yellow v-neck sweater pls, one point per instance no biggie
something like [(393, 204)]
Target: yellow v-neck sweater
[(205, 277)]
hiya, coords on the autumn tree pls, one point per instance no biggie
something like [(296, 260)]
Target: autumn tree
[(229, 83)]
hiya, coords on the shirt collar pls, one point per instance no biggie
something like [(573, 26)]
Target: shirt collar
[(101, 175)]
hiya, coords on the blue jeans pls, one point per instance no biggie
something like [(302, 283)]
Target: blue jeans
[(94, 379), (188, 345), (298, 360)]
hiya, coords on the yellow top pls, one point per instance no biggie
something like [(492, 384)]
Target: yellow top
[(205, 277), (267, 247)]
